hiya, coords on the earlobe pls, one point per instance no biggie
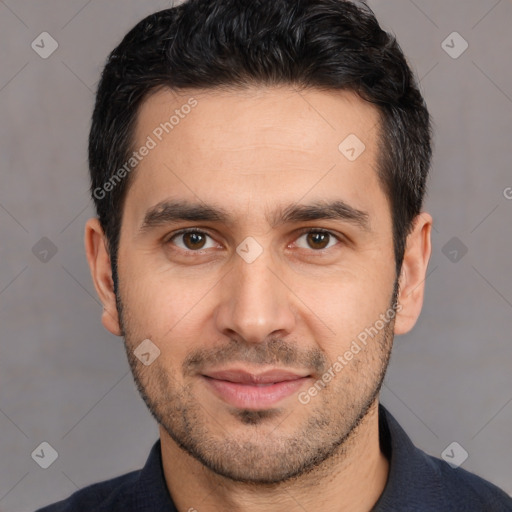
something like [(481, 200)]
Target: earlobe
[(101, 272), (413, 274)]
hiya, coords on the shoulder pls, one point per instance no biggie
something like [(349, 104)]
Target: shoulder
[(420, 481), (141, 490), (111, 495), (468, 491)]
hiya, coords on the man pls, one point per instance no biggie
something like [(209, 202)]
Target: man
[(258, 169)]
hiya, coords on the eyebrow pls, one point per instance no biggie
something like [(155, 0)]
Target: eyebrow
[(170, 211)]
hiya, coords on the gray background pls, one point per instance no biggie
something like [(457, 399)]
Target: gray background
[(66, 381)]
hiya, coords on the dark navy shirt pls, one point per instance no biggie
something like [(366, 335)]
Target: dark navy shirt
[(417, 482)]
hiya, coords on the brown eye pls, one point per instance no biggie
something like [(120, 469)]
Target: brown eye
[(190, 241), (194, 240), (317, 239)]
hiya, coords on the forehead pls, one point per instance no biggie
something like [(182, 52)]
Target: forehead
[(256, 146), (302, 118)]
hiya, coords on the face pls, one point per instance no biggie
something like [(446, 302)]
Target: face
[(259, 310)]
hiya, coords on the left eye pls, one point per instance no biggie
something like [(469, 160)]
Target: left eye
[(318, 239)]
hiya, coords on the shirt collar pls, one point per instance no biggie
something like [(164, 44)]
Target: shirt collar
[(412, 474), (151, 492)]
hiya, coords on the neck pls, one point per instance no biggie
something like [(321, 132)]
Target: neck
[(351, 480)]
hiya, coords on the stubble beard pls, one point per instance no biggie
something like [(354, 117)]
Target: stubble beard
[(270, 446)]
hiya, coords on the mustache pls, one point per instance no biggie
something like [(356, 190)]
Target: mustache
[(274, 352)]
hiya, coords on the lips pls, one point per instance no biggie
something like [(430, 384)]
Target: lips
[(254, 390), (243, 377)]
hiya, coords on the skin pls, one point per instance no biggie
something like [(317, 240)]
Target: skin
[(298, 305)]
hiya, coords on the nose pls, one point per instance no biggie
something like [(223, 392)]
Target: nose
[(255, 301)]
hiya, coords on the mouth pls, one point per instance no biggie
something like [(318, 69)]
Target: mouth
[(248, 390)]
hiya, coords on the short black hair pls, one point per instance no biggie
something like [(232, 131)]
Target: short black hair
[(216, 44)]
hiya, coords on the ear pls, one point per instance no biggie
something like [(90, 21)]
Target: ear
[(414, 269), (101, 272)]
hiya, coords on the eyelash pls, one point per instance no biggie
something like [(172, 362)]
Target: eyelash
[(301, 233)]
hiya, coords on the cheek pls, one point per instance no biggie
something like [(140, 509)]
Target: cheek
[(163, 305), (344, 304)]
